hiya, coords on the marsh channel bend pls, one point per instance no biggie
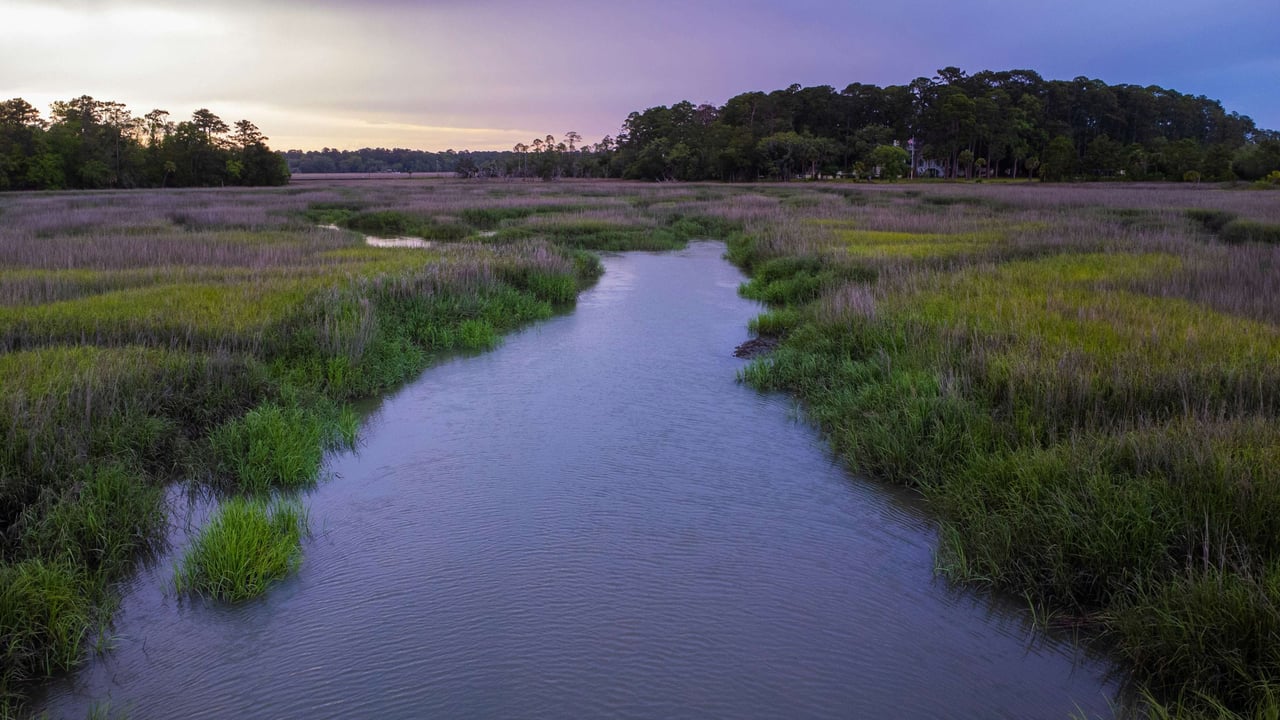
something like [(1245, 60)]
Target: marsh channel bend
[(595, 520)]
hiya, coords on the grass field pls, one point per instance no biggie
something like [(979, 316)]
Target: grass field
[(215, 337), (1081, 380)]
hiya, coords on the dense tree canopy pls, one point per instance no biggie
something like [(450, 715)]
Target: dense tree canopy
[(90, 144), (990, 124), (544, 157), (1011, 123), (997, 124)]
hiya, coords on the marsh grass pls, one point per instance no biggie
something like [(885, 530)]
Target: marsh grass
[(1090, 403), (1249, 231), (248, 545), (1080, 379), (149, 337), (45, 610), (273, 447)]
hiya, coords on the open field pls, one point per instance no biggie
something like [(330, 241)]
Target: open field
[(1081, 380)]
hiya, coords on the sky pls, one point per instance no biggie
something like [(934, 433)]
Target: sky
[(486, 74)]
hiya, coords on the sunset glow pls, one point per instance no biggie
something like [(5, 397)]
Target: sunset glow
[(484, 75)]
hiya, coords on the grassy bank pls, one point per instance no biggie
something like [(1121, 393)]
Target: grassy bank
[(1083, 384), (214, 337), (1081, 380)]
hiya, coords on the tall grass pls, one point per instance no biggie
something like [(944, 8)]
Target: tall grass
[(280, 447), (247, 546), (147, 337), (1089, 401)]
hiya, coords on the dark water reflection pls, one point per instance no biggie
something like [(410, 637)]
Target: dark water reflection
[(595, 520)]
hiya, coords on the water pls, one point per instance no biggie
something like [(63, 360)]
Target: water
[(595, 520)]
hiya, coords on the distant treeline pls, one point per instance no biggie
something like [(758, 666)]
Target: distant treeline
[(543, 157), (990, 124), (90, 144), (997, 124), (375, 160)]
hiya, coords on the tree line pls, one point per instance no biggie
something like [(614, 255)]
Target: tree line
[(543, 157), (996, 124), (1007, 124), (93, 144)]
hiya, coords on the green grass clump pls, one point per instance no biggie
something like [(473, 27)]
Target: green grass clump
[(248, 545), (103, 522), (395, 223), (1211, 219), (1131, 218), (595, 235), (946, 201), (616, 235), (279, 447), (490, 218), (476, 335), (46, 611), (776, 323), (553, 287), (1243, 231), (791, 280), (332, 213)]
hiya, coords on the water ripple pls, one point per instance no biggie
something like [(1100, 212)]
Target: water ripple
[(595, 520)]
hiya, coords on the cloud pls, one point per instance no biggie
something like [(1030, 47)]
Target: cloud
[(479, 70)]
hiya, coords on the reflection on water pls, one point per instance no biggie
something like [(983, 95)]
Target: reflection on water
[(596, 520)]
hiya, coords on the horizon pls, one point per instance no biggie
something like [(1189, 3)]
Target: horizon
[(483, 76)]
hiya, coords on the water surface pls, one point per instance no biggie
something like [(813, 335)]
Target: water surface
[(596, 520)]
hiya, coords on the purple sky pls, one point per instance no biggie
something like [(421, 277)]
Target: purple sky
[(485, 74)]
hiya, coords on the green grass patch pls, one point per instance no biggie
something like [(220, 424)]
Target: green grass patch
[(1132, 218), (46, 610), (248, 545), (881, 244), (1249, 231), (491, 218), (1210, 219), (273, 447), (792, 280), (393, 223), (106, 520)]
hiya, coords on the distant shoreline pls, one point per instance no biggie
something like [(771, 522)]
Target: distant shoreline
[(302, 177)]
